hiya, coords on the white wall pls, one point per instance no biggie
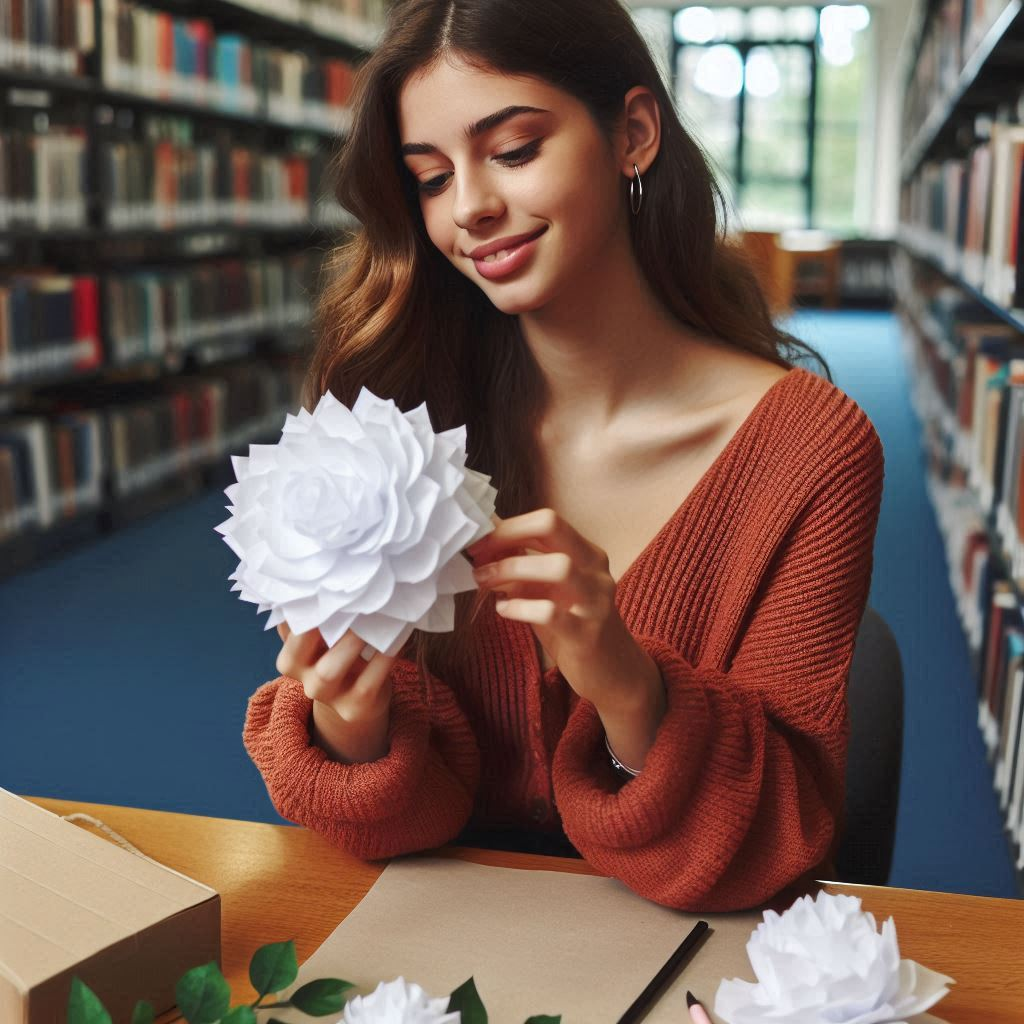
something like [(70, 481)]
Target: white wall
[(891, 27)]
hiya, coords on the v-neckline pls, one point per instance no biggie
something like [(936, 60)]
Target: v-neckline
[(704, 480)]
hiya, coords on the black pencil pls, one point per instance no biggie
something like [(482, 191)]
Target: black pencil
[(647, 998)]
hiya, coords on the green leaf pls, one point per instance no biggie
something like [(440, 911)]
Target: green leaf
[(202, 994), (467, 1001), (273, 967), (323, 997), (84, 1006), (143, 1013), (240, 1015), (544, 1019)]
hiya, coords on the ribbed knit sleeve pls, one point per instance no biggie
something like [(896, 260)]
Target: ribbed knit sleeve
[(418, 796), (742, 791)]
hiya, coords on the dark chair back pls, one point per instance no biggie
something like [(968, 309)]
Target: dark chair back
[(875, 754)]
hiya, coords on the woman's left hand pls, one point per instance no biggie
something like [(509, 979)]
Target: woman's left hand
[(563, 587)]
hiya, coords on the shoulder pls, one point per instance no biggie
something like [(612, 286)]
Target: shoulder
[(790, 425), (813, 418), (795, 407), (811, 465), (806, 443)]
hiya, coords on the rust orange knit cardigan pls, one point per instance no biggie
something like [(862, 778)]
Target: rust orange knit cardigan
[(748, 599)]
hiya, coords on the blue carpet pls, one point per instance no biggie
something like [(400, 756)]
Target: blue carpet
[(949, 834), (129, 662)]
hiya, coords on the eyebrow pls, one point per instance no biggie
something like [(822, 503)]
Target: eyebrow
[(485, 124)]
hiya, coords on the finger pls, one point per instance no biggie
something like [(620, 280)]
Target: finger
[(543, 529), (300, 650), (496, 520), (542, 612), (555, 567), (370, 696), (333, 666), (559, 594)]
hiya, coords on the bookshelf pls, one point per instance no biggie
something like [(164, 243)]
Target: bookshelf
[(164, 212), (988, 54), (959, 283)]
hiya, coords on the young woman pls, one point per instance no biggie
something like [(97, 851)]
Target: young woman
[(655, 662)]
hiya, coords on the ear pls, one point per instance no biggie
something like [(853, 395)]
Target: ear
[(642, 129)]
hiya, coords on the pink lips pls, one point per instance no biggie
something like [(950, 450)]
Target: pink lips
[(518, 255)]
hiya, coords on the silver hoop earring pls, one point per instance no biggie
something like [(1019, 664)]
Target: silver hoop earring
[(636, 191)]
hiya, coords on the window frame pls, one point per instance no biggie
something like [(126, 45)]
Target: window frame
[(744, 46)]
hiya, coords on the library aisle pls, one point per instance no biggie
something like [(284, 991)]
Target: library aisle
[(949, 833), (129, 662)]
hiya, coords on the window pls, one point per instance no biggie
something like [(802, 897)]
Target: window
[(776, 96)]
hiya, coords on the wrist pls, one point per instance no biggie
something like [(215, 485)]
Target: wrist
[(633, 688), (350, 742), (618, 765), (631, 721)]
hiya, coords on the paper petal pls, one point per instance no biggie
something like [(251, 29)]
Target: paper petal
[(356, 520), (824, 961)]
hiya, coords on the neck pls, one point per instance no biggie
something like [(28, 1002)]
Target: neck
[(607, 344)]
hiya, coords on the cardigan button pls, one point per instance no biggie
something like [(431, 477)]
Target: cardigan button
[(539, 809)]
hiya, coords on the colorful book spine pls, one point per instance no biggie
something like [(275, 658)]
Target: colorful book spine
[(43, 180), (157, 54), (969, 211), (159, 182), (52, 37), (48, 327), (170, 314)]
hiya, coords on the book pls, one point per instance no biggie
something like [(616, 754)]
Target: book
[(9, 493), (1010, 733), (29, 439), (999, 279)]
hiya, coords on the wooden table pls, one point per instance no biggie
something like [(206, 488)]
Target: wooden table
[(278, 882)]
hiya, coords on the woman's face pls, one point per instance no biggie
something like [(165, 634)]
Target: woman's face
[(512, 163)]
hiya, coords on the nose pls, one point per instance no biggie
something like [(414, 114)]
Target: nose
[(476, 200)]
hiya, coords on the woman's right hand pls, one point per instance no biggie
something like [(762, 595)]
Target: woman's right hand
[(351, 696)]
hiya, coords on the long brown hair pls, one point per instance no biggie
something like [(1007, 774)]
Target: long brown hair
[(395, 316)]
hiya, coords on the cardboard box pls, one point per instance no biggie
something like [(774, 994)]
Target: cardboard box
[(72, 903)]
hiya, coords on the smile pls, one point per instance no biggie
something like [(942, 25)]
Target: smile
[(507, 261)]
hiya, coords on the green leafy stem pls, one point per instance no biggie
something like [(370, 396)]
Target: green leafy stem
[(204, 996)]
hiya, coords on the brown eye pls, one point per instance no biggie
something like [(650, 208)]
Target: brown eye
[(518, 157), (433, 184)]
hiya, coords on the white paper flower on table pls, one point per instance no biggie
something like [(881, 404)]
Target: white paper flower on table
[(356, 520), (398, 1002), (823, 961)]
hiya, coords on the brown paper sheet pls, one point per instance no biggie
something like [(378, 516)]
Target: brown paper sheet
[(535, 942)]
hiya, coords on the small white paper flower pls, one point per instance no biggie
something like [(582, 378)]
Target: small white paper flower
[(823, 961), (398, 1002), (356, 520)]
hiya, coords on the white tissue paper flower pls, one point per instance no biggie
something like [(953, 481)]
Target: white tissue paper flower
[(824, 962), (398, 1002), (356, 520)]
